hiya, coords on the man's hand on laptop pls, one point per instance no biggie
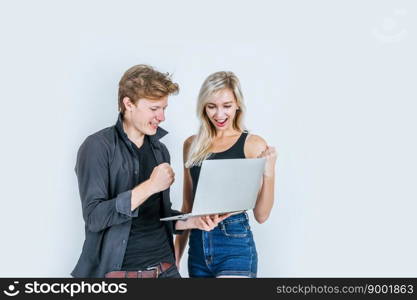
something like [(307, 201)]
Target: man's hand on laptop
[(206, 223)]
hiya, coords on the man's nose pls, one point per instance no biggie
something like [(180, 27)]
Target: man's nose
[(161, 116)]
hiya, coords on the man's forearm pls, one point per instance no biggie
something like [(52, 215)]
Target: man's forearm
[(140, 193)]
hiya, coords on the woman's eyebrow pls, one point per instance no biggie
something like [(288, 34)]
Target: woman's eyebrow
[(228, 102)]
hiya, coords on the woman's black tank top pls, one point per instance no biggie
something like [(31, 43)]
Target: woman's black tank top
[(236, 151)]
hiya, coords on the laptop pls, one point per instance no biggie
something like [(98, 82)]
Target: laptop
[(225, 186)]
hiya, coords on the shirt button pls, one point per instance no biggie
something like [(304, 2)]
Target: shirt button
[(124, 241), (136, 172)]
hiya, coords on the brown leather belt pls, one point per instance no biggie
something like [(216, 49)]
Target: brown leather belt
[(151, 272)]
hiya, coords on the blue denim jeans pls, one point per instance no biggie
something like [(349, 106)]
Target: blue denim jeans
[(227, 250)]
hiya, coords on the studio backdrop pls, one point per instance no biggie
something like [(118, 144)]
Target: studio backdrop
[(330, 84)]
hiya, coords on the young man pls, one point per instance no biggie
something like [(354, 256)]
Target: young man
[(124, 177)]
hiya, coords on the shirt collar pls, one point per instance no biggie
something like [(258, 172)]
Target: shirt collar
[(160, 132)]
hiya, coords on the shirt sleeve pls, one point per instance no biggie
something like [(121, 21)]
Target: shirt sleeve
[(92, 170)]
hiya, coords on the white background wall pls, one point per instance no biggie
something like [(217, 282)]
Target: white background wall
[(331, 84)]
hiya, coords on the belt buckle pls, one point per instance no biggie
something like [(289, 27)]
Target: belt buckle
[(154, 268)]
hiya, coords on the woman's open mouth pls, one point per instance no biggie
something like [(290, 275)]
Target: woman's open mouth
[(220, 123)]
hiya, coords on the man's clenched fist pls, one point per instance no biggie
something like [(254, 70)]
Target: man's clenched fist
[(161, 178)]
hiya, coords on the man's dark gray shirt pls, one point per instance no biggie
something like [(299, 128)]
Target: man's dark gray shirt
[(107, 169)]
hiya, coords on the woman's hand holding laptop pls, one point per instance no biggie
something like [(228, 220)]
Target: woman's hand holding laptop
[(206, 223)]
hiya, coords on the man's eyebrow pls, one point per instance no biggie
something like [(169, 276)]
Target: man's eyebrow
[(158, 106)]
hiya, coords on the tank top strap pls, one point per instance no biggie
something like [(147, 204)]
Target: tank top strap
[(240, 144)]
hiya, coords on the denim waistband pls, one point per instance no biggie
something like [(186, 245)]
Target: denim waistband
[(236, 218)]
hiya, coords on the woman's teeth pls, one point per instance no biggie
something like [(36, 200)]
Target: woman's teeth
[(221, 122)]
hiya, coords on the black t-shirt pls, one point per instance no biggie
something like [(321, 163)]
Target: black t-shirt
[(148, 242)]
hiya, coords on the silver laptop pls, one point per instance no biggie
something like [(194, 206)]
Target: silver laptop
[(226, 185)]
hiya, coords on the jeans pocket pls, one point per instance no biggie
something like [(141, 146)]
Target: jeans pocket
[(235, 228)]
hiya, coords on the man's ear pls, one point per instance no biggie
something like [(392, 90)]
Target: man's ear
[(128, 104)]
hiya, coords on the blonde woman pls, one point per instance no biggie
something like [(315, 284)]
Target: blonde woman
[(229, 249)]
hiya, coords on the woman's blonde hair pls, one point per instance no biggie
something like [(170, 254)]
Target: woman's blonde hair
[(199, 149)]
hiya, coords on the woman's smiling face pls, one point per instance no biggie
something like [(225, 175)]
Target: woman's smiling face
[(221, 109)]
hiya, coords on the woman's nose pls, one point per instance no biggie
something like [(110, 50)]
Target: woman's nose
[(219, 113)]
